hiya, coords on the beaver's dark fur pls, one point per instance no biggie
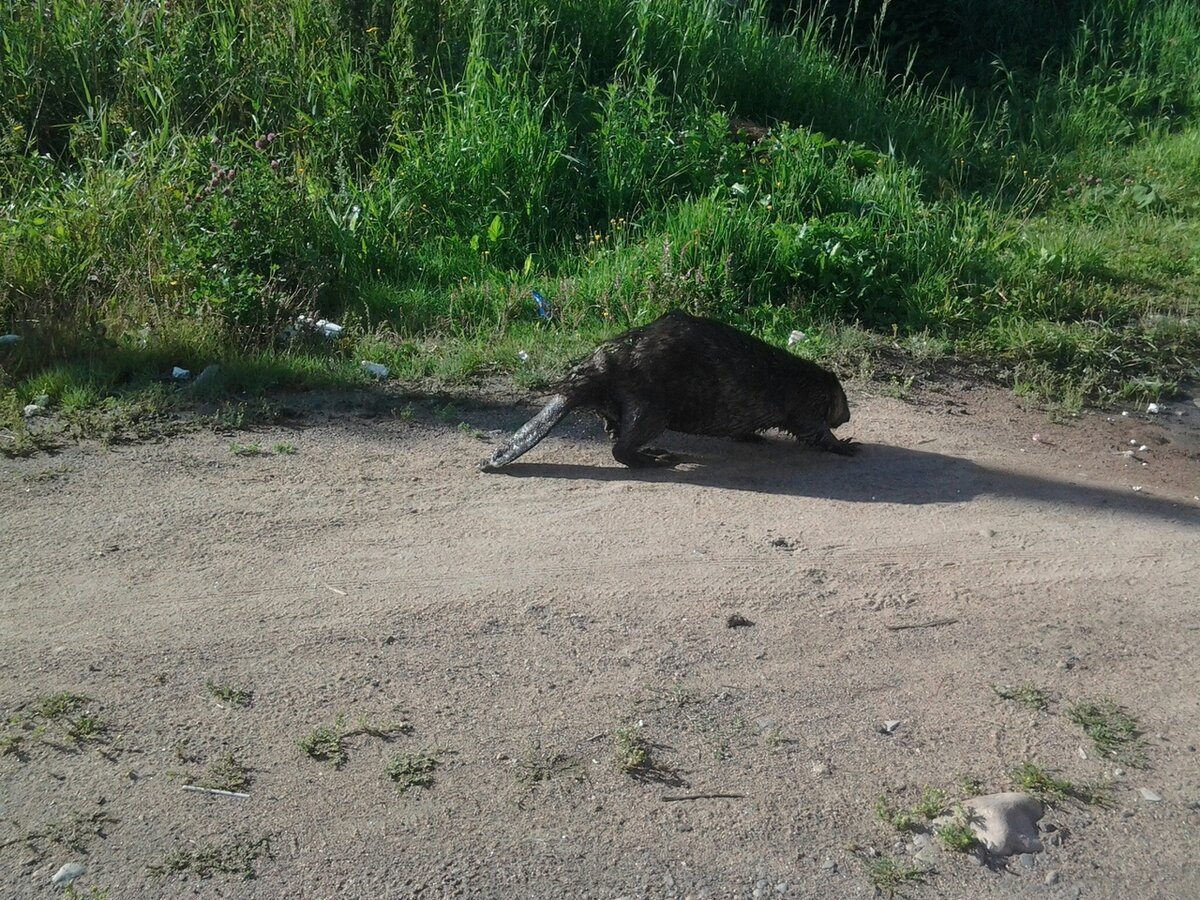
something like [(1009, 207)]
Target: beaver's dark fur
[(693, 375)]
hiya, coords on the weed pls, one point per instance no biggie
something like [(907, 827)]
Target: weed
[(225, 773), (969, 785), (86, 727), (245, 449), (928, 807), (471, 431), (632, 751), (11, 743), (889, 875), (539, 765), (1035, 780), (1026, 694), (234, 857), (76, 832), (230, 695), (409, 770), (59, 706), (326, 744), (285, 449), (1113, 731), (47, 475), (775, 739), (956, 835)]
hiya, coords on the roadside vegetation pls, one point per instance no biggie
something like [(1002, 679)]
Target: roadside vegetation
[(1007, 181)]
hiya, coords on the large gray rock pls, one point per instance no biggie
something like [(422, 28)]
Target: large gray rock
[(1004, 823)]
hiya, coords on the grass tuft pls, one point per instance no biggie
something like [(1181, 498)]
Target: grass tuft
[(1114, 732), (408, 770)]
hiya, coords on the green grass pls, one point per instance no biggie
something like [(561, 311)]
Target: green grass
[(928, 807), (1035, 780), (1114, 732), (890, 875), (1029, 696), (59, 706), (632, 752), (234, 857), (409, 770), (228, 694), (182, 185), (326, 744), (225, 773), (956, 835)]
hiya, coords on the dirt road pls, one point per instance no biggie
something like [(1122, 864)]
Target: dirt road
[(516, 621)]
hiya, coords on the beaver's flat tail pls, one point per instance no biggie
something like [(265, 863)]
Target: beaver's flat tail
[(528, 435)]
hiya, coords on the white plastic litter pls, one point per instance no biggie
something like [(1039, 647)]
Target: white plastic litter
[(68, 873), (379, 370), (1154, 409), (180, 374), (522, 356), (796, 337), (329, 329)]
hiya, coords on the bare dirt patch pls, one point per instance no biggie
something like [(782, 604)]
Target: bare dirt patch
[(581, 717)]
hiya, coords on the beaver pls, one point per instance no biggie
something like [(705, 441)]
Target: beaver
[(694, 375)]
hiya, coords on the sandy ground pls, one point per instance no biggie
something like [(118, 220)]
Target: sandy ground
[(517, 620)]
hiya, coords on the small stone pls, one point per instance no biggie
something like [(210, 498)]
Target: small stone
[(1051, 877), (1027, 860), (781, 888), (68, 873), (890, 726), (820, 768), (738, 621), (829, 865), (1149, 795)]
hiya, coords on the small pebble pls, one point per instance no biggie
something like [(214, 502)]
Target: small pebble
[(1051, 877), (829, 865), (1149, 795), (890, 726), (781, 888), (1027, 860), (820, 768)]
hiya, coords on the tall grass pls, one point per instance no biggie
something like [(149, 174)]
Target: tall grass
[(203, 170)]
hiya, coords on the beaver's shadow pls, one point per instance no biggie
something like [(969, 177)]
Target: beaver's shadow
[(880, 473)]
